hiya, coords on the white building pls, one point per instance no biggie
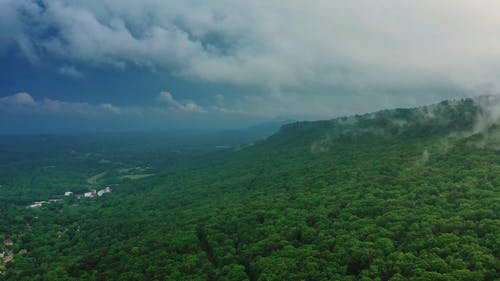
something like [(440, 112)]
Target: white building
[(36, 205), (68, 193), (103, 191), (90, 194)]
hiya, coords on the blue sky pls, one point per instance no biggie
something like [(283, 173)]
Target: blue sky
[(104, 65)]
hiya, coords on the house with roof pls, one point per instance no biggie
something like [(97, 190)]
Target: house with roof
[(36, 205), (8, 242), (103, 191), (90, 194)]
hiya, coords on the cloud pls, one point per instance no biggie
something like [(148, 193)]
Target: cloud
[(219, 99), (329, 42), (19, 99), (109, 107), (326, 57), (15, 27), (24, 103), (188, 105), (71, 71), (22, 112)]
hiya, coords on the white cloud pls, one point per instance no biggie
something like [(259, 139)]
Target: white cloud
[(24, 103), (188, 105), (219, 99), (13, 27), (305, 55), (19, 99), (71, 71), (276, 44), (109, 107)]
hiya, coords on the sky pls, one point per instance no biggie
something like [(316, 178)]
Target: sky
[(119, 65)]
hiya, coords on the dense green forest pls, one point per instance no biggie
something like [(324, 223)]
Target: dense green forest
[(405, 194)]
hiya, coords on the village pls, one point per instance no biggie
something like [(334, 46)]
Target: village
[(91, 194), (7, 253), (6, 250)]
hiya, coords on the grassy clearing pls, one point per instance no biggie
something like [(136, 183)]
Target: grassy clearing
[(95, 178), (136, 177)]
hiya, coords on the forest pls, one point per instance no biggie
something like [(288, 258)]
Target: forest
[(403, 194)]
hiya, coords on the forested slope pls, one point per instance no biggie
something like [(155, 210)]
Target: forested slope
[(408, 194)]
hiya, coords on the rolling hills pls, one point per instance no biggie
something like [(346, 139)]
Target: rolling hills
[(403, 194)]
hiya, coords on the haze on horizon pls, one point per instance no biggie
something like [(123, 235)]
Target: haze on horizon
[(110, 65)]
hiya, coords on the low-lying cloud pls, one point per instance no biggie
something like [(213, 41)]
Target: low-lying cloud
[(24, 103), (21, 112), (18, 100), (188, 105)]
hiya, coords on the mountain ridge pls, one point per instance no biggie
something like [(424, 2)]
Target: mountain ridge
[(387, 196)]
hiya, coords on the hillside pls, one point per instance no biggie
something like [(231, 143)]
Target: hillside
[(404, 194)]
